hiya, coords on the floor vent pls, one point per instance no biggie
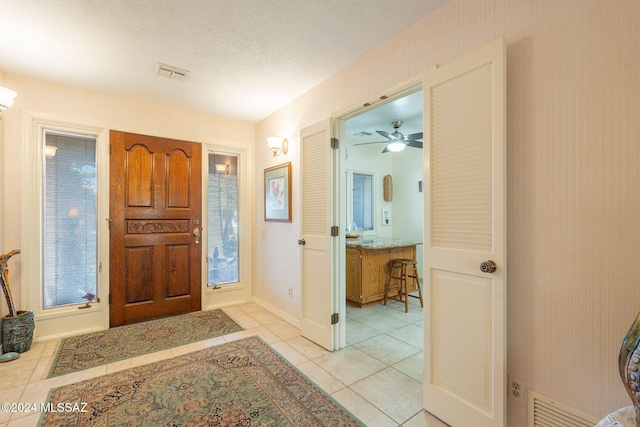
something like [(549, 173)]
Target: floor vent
[(545, 412), (171, 72)]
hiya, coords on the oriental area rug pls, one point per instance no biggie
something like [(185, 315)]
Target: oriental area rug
[(123, 342), (241, 383)]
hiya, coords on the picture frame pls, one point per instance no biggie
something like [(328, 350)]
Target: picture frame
[(277, 193)]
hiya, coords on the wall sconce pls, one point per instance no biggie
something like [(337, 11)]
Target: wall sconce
[(221, 168), (278, 145), (6, 99)]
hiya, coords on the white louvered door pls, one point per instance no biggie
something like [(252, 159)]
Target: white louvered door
[(465, 226), (317, 198)]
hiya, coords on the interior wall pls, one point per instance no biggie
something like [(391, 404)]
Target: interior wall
[(573, 163), (100, 109), (407, 207)]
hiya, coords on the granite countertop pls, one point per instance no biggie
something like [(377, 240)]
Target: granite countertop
[(380, 243)]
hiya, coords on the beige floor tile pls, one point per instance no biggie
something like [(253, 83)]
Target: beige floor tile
[(244, 320), (240, 335), (424, 419), (30, 420), (250, 308), (283, 329), (322, 378), (357, 332), (382, 322), (9, 395), (34, 352), (292, 355), (42, 368), (265, 317), (51, 348), (412, 366), (394, 393), (414, 315), (310, 349), (16, 372), (232, 309), (355, 312), (386, 349), (266, 335), (363, 410), (410, 334), (195, 346), (349, 364)]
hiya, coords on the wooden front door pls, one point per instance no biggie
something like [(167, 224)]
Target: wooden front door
[(155, 209)]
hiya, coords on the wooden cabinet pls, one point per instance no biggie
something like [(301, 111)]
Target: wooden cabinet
[(366, 272)]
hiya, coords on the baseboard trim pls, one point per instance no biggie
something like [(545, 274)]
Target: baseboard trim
[(275, 310)]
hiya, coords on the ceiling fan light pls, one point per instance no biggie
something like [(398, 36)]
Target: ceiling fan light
[(396, 146)]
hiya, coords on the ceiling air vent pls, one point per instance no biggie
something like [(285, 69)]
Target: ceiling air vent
[(171, 72)]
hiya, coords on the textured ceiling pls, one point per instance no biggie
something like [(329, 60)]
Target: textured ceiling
[(247, 58)]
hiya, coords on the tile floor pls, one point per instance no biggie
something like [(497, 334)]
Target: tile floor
[(378, 376)]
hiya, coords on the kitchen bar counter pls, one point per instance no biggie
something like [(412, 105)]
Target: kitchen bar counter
[(380, 243), (366, 269)]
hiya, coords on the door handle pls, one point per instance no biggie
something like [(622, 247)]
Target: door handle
[(196, 234), (301, 242), (488, 266)]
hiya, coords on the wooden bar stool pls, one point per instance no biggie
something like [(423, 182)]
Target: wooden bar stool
[(402, 275)]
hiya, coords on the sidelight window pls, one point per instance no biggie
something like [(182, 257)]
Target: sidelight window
[(223, 215), (69, 219)]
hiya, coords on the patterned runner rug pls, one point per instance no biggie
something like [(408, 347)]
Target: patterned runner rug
[(123, 342), (241, 383)]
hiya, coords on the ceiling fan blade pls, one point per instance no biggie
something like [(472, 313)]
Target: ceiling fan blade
[(386, 150), (385, 134), (416, 144), (375, 142), (413, 136)]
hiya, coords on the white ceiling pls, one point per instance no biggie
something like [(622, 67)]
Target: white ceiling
[(407, 108), (247, 58)]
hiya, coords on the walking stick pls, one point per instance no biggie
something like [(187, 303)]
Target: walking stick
[(4, 280)]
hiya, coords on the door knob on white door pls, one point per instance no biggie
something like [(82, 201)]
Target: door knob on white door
[(488, 267), (301, 242)]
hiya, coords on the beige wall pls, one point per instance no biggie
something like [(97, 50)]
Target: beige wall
[(574, 198), (103, 110)]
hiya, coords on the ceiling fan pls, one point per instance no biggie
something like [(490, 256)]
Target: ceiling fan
[(397, 141)]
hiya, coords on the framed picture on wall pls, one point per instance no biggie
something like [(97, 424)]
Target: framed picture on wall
[(277, 193)]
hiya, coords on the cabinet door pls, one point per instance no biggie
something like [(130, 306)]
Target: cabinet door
[(354, 271), (374, 274)]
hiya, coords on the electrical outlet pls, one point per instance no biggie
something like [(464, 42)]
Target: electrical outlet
[(290, 292), (516, 390)]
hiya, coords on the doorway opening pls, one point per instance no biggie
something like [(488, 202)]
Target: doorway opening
[(382, 205)]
